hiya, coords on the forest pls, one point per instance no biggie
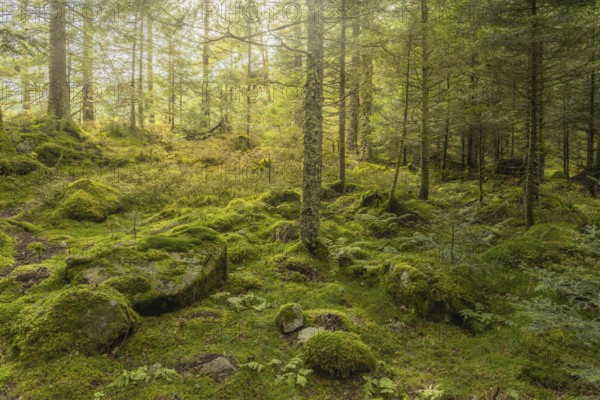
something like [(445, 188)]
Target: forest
[(312, 199)]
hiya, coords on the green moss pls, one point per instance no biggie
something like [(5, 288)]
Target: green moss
[(7, 246), (288, 316), (87, 200), (338, 354), (17, 164), (182, 238), (277, 197), (82, 320), (329, 319), (50, 154), (129, 285), (526, 250), (433, 294), (243, 281), (558, 175)]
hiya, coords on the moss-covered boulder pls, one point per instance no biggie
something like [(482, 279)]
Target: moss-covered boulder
[(527, 250), (17, 164), (338, 354), (289, 318), (51, 154), (285, 202), (87, 200), (430, 294), (162, 272), (81, 320)]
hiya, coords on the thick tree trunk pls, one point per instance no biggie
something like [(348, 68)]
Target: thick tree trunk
[(313, 129), (424, 190), (59, 105), (342, 99), (481, 162), (446, 142), (354, 91)]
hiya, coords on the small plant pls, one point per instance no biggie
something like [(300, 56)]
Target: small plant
[(293, 373), (430, 393), (144, 374), (38, 249), (249, 300), (378, 389), (486, 319)]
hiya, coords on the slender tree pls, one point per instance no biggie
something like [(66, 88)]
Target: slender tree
[(59, 96)]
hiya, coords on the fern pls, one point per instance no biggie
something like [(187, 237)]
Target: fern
[(143, 374), (430, 393), (378, 389)]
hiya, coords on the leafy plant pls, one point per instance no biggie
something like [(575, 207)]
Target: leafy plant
[(294, 374), (378, 389), (430, 393), (144, 374), (249, 300), (484, 318)]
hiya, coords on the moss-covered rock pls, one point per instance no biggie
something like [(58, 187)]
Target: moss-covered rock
[(162, 273), (338, 354), (278, 197), (87, 200), (17, 164), (432, 294), (83, 320), (51, 154), (331, 320), (289, 318)]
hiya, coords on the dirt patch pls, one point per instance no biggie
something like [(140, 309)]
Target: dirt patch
[(331, 322), (31, 278), (299, 271), (286, 233), (25, 256)]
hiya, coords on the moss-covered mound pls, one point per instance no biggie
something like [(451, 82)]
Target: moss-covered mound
[(527, 250), (82, 320), (432, 294), (162, 273), (338, 354), (285, 202), (87, 200), (17, 164)]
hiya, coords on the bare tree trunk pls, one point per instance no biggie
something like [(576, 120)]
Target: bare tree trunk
[(248, 85), (481, 162), (444, 165), (150, 71), (59, 105), (342, 99), (206, 96), (566, 150), (24, 63), (424, 190), (133, 93), (531, 179), (140, 85), (354, 92), (366, 107), (87, 105), (401, 150), (313, 129)]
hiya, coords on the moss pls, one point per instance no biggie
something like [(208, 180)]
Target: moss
[(558, 175), (525, 250), (83, 320), (433, 294), (338, 354), (288, 316), (182, 238), (547, 375), (243, 281), (87, 200), (7, 246), (129, 285), (277, 197), (329, 319), (17, 164), (51, 154)]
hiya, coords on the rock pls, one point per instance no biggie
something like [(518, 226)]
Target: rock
[(219, 368), (161, 273), (87, 200), (307, 333), (83, 320), (289, 318)]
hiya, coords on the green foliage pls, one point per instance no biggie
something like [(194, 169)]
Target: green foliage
[(249, 301), (294, 374), (479, 319), (144, 374), (338, 354), (378, 389), (430, 393), (526, 250)]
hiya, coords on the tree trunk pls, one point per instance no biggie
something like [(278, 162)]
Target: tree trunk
[(446, 134), (401, 160), (354, 92), (366, 107), (150, 71), (87, 105), (24, 63), (566, 150), (481, 162), (313, 129), (249, 84), (531, 181), (59, 105), (140, 85), (424, 190), (206, 96), (342, 99), (133, 92)]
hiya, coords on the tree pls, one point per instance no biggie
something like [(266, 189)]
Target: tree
[(313, 128), (424, 190), (59, 96), (87, 102), (342, 98)]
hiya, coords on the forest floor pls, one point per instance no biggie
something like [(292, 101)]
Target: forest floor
[(507, 314)]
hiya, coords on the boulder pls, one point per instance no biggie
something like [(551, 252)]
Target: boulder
[(289, 318), (307, 333)]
